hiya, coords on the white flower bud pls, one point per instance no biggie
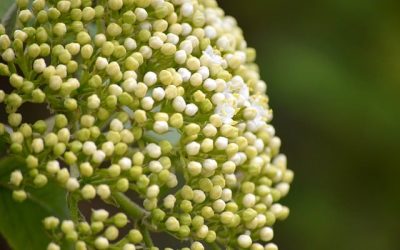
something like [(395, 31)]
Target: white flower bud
[(115, 4), (209, 130), (186, 46), (141, 14), (100, 215), (89, 148), (63, 135), (244, 241), (187, 9), (39, 65), (266, 234), (172, 224), (152, 191), (153, 150), (72, 184), (53, 246), (150, 78), (210, 165), (52, 167), (93, 102), (185, 74), (194, 168), (129, 247), (169, 201), (283, 188), (147, 103), (160, 127), (114, 89), (16, 178), (249, 200), (199, 196), (179, 104), (180, 56), (210, 32), (116, 125), (221, 143), (67, 226), (158, 94), (55, 82), (101, 243), (210, 84), (129, 85), (191, 109), (101, 63), (155, 42), (130, 44), (37, 145), (103, 191), (88, 192), (155, 166), (98, 156), (271, 246), (192, 148), (125, 163), (8, 55)]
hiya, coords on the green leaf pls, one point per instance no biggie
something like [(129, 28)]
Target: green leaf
[(9, 18), (4, 5), (21, 223), (3, 144)]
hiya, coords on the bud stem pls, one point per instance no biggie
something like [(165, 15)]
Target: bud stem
[(132, 209)]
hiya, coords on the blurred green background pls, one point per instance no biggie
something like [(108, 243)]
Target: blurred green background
[(333, 75)]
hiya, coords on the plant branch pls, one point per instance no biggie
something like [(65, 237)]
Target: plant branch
[(132, 209)]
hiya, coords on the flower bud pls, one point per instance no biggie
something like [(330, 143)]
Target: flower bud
[(172, 224), (59, 29), (104, 191), (16, 178), (101, 243), (19, 195), (51, 222), (88, 192)]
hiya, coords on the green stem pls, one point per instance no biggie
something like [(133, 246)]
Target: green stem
[(132, 209), (147, 237), (73, 207)]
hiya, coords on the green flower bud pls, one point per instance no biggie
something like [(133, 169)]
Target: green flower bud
[(88, 14), (83, 38), (19, 195), (4, 42), (42, 16), (99, 11), (172, 224), (63, 6), (14, 119), (22, 4), (51, 222), (59, 29), (114, 30), (8, 55), (129, 17), (40, 180), (135, 236), (24, 15), (120, 220), (115, 4)]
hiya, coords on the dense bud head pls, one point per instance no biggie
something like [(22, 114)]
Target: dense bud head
[(155, 100)]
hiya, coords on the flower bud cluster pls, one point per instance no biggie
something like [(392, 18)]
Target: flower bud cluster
[(157, 97)]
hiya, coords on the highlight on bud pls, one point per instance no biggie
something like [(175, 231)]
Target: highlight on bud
[(157, 108)]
